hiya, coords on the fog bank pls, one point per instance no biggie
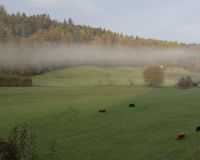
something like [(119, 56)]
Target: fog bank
[(54, 56)]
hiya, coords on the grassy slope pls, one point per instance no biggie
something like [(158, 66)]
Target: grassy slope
[(67, 114), (90, 76)]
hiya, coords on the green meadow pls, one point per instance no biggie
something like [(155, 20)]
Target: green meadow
[(62, 107)]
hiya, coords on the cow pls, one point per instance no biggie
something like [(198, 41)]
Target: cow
[(198, 129), (180, 136), (102, 111), (131, 105)]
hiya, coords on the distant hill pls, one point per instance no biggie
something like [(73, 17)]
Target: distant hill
[(20, 28), (22, 32)]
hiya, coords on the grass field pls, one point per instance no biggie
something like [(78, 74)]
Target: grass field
[(92, 76), (62, 107)]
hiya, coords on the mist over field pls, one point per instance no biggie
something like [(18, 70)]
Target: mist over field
[(62, 55), (99, 80)]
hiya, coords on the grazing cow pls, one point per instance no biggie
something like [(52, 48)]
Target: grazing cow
[(198, 129), (102, 111), (131, 105), (180, 136)]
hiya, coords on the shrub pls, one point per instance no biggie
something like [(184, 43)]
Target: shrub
[(188, 82), (130, 81), (153, 76), (181, 82), (26, 81), (17, 145), (111, 83), (7, 80), (185, 82), (21, 145)]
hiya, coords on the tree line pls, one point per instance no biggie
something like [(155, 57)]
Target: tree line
[(20, 28)]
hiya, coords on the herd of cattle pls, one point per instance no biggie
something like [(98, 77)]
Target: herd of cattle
[(104, 110), (179, 136)]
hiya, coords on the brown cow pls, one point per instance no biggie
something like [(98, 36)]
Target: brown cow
[(180, 136)]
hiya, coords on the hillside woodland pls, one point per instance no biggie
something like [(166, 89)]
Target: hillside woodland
[(20, 30)]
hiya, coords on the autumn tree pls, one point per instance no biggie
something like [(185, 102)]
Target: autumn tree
[(153, 76)]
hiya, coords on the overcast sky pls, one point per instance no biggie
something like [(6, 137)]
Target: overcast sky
[(176, 20)]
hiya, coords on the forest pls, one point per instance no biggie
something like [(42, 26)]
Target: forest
[(22, 29), (23, 33)]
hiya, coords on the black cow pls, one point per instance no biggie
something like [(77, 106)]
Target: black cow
[(102, 111), (198, 129), (131, 105)]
